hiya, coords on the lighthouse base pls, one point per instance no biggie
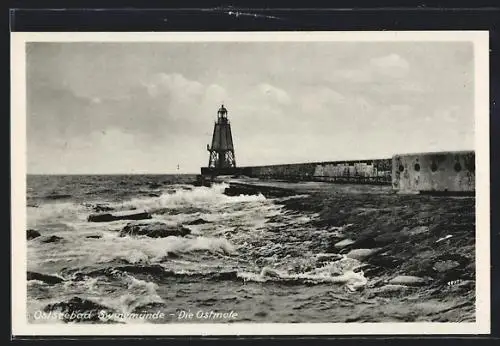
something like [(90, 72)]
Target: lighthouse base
[(209, 171), (208, 174)]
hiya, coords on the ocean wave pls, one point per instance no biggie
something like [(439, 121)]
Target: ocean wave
[(91, 296), (153, 250), (55, 196), (287, 198), (198, 196), (352, 280), (182, 201), (126, 309), (89, 285), (36, 283), (85, 252), (44, 278), (140, 293), (56, 212), (129, 256)]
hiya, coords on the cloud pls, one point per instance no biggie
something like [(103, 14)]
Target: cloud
[(390, 61), (320, 99), (162, 107), (392, 65), (113, 150), (274, 94), (215, 94), (260, 108), (448, 114), (173, 84), (177, 97), (360, 75), (53, 113), (377, 70), (400, 108)]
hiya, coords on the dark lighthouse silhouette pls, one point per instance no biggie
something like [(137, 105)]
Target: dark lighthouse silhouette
[(221, 159), (222, 148)]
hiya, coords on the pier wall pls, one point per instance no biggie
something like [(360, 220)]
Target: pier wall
[(434, 172), (360, 171)]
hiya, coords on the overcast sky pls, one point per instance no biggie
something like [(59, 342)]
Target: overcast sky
[(148, 107)]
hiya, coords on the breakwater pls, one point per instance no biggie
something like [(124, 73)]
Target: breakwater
[(358, 172), (440, 172)]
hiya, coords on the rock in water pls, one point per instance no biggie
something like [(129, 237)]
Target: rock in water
[(32, 234), (94, 236), (126, 215), (443, 266), (102, 207), (343, 243), (408, 280), (236, 189), (387, 291), (328, 257), (387, 238), (48, 279), (148, 307), (361, 254), (78, 310), (101, 218), (57, 196), (154, 185), (269, 272), (51, 239), (233, 190), (392, 288), (197, 222), (154, 230), (416, 230)]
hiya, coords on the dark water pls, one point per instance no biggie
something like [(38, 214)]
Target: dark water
[(249, 255)]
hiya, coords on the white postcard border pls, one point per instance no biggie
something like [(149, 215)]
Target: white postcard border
[(20, 326)]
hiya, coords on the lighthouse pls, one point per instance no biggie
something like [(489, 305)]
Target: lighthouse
[(222, 150)]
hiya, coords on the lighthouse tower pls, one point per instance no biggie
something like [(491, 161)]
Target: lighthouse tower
[(222, 150)]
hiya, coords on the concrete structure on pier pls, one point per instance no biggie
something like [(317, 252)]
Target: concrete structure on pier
[(441, 172)]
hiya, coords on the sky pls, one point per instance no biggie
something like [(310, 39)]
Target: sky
[(132, 107)]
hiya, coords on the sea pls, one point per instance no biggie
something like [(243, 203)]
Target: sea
[(246, 258), (246, 255)]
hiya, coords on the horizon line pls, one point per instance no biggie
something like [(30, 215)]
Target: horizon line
[(124, 173)]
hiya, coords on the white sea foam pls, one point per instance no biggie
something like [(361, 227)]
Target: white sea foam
[(352, 280), (88, 285), (134, 283), (198, 196), (55, 212), (138, 250), (195, 196), (139, 293), (341, 272), (36, 283)]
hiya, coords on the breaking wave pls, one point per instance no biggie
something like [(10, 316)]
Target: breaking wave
[(200, 196)]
